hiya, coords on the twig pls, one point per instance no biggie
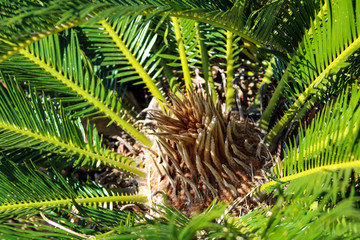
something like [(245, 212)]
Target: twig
[(65, 229), (234, 204)]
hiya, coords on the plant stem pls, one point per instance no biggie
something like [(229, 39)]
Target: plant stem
[(230, 91), (204, 55), (183, 59)]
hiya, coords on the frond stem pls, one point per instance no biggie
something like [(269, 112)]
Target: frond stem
[(210, 87), (230, 91), (183, 59), (79, 200)]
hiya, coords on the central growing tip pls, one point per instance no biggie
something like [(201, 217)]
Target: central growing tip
[(204, 153)]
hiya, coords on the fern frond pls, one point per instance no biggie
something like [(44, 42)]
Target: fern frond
[(319, 205), (132, 43)]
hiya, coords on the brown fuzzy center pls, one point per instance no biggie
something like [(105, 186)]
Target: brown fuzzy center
[(204, 154)]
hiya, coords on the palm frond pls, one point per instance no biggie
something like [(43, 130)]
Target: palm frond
[(227, 46), (54, 65), (128, 51), (292, 20), (67, 224), (328, 143), (47, 19), (323, 53), (316, 185), (35, 123), (29, 191), (308, 214), (187, 31), (30, 188), (186, 52), (174, 225)]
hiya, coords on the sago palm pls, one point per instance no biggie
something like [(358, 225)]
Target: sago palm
[(253, 104)]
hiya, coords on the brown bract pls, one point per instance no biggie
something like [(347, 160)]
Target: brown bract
[(203, 153)]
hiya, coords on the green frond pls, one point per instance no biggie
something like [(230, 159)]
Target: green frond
[(67, 223), (28, 187), (182, 53), (51, 18), (134, 43), (46, 19), (228, 46), (328, 143), (231, 57), (29, 191), (186, 50), (54, 65), (333, 40), (172, 224), (30, 229), (293, 19), (317, 206), (316, 182), (35, 123), (205, 61)]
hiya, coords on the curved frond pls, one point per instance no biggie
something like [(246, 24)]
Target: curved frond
[(31, 188), (129, 47), (35, 123), (328, 143), (316, 185), (55, 65), (48, 18), (325, 50)]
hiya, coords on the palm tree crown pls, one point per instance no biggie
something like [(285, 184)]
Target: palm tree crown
[(252, 128)]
